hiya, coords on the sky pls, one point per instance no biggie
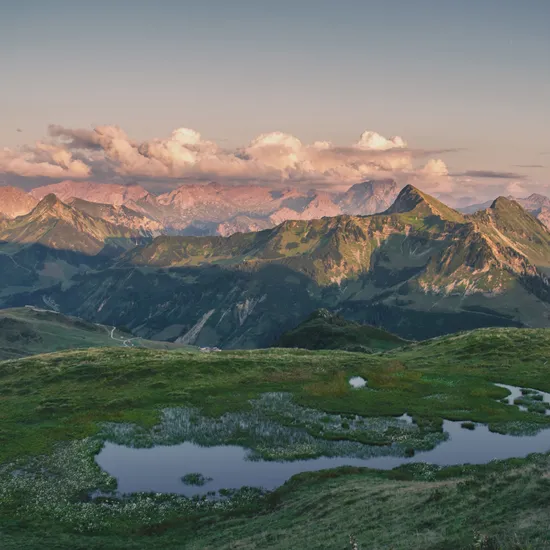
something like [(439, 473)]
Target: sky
[(278, 92)]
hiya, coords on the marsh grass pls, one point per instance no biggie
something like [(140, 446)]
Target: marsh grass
[(195, 479), (53, 408)]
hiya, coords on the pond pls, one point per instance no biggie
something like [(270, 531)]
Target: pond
[(357, 382), (529, 399), (161, 468)]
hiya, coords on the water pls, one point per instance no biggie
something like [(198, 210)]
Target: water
[(357, 382), (406, 418), (160, 469), (515, 392)]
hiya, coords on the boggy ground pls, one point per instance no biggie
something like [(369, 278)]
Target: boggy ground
[(48, 400)]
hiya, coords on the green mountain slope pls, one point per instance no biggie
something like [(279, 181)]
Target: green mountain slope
[(325, 330), (58, 226), (418, 270), (28, 331)]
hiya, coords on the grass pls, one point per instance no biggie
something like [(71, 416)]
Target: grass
[(47, 400), (195, 479), (325, 330), (27, 331)]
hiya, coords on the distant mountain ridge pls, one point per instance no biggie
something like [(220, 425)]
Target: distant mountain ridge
[(15, 202), (59, 226), (418, 269), (536, 204), (209, 209)]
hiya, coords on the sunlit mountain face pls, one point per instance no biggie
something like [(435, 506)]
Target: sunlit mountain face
[(418, 269)]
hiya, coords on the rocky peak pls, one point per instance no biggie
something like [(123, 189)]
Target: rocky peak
[(369, 197), (411, 199), (408, 200), (15, 202)]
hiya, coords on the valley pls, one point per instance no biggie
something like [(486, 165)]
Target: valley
[(419, 270)]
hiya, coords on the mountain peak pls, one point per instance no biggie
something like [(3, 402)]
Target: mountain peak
[(48, 203), (505, 203), (411, 199), (372, 185), (369, 197), (407, 200), (50, 199)]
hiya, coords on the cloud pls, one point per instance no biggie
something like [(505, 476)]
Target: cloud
[(529, 165), (435, 167), (43, 160), (268, 158), (490, 174), (107, 153)]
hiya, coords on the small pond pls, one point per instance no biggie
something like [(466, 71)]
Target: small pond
[(528, 396), (161, 468), (357, 382)]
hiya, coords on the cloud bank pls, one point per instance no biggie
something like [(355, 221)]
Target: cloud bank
[(107, 153), (185, 154)]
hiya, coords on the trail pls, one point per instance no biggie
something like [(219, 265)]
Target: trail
[(16, 264), (127, 343)]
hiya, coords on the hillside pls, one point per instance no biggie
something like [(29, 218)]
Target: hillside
[(56, 225), (325, 330), (418, 270), (536, 204), (120, 216), (63, 411), (29, 331)]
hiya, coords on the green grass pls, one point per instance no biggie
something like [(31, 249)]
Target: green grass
[(28, 331), (50, 399), (325, 330)]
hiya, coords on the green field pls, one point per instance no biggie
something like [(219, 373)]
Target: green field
[(53, 407), (28, 331)]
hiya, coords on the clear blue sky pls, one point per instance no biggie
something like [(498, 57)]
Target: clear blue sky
[(471, 74)]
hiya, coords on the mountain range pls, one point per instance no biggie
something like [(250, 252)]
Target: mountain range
[(209, 209), (418, 269)]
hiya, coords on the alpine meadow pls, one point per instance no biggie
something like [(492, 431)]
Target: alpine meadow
[(244, 339)]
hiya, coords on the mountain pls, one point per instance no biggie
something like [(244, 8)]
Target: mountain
[(54, 244), (28, 331), (536, 204), (419, 269), (15, 202), (119, 215), (369, 197), (215, 209), (105, 193), (56, 225), (325, 330)]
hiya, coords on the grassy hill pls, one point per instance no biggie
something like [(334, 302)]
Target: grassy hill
[(29, 331), (53, 407), (325, 330)]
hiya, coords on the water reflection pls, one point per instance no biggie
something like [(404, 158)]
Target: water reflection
[(161, 468)]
